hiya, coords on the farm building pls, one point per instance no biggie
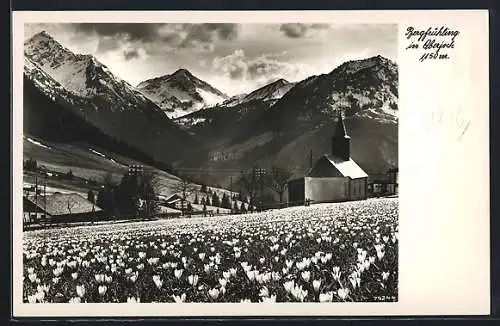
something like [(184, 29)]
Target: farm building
[(165, 211), (175, 201), (385, 185), (335, 177), (60, 207)]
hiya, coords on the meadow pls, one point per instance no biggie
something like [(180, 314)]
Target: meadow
[(320, 253)]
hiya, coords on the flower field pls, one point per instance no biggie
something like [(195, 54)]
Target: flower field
[(320, 253)]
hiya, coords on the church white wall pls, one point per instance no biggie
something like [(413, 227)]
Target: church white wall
[(326, 189), (358, 188)]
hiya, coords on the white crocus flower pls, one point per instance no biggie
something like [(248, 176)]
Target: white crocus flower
[(80, 290), (193, 279), (102, 289), (316, 285), (326, 297), (178, 273), (75, 300), (133, 300), (213, 293), (343, 293), (180, 299), (306, 275)]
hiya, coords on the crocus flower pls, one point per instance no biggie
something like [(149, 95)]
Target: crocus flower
[(316, 285), (32, 277), (157, 281), (133, 300), (75, 300), (178, 273), (306, 275), (326, 297), (193, 279), (102, 289), (213, 293), (179, 299), (223, 282), (80, 290), (271, 299), (289, 285), (343, 293), (264, 292)]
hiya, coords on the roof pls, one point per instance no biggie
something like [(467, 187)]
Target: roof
[(340, 129), (168, 210), (64, 204), (347, 168)]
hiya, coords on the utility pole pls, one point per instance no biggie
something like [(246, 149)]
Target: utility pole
[(310, 159), (36, 195), (261, 181), (231, 192), (45, 198)]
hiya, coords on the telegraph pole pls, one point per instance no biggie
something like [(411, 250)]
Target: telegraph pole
[(261, 181), (45, 198), (231, 192)]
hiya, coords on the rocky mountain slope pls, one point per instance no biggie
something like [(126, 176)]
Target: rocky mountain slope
[(303, 119), (86, 87), (181, 93), (226, 120)]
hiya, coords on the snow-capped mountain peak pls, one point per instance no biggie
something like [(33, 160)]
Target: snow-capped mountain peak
[(181, 93), (80, 74), (267, 93)]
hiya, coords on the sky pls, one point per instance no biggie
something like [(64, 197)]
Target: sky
[(234, 58)]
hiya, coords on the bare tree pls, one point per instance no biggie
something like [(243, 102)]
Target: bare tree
[(70, 205), (249, 180), (277, 180), (185, 188), (149, 189)]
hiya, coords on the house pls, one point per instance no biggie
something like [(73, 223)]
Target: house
[(31, 212), (393, 177), (334, 177), (174, 201), (60, 207), (384, 184), (165, 211)]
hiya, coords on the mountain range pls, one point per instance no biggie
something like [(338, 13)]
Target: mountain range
[(180, 93), (182, 121)]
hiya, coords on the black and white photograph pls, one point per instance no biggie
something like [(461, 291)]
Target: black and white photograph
[(210, 162), (204, 164)]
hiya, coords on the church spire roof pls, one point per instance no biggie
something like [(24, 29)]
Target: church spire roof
[(340, 130), (340, 140)]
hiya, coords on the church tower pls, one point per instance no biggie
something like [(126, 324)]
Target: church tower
[(340, 140)]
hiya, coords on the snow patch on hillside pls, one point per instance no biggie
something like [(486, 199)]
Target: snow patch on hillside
[(37, 143), (209, 98)]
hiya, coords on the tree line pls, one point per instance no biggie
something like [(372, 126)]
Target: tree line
[(135, 195), (263, 185)]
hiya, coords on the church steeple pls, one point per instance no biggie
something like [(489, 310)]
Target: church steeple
[(340, 140)]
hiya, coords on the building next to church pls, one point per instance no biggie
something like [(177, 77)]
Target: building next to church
[(60, 207), (335, 177)]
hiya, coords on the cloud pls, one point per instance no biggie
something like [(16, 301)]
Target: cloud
[(131, 54), (125, 31), (299, 30), (204, 35), (260, 70), (156, 36)]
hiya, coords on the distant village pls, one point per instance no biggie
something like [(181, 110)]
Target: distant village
[(335, 177)]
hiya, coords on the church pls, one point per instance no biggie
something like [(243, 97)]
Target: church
[(335, 177)]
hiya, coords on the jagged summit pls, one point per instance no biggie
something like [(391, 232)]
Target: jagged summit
[(90, 89), (181, 93)]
